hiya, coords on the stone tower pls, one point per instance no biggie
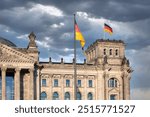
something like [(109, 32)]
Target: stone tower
[(110, 56)]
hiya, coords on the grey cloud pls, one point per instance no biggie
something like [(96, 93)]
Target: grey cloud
[(140, 62), (119, 10)]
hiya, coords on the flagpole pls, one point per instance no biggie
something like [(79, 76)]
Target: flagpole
[(75, 67)]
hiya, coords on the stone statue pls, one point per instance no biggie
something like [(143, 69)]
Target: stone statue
[(105, 60)]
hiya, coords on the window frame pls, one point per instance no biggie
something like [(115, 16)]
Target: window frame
[(90, 84), (56, 96), (88, 96), (110, 52), (44, 84), (116, 52), (56, 83), (112, 83), (67, 96), (79, 96), (67, 83), (114, 97), (43, 96), (104, 51), (79, 83)]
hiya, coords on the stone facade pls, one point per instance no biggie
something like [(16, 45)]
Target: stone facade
[(104, 75)]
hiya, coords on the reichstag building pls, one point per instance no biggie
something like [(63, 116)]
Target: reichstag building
[(104, 75)]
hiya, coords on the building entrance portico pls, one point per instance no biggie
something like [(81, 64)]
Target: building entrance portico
[(16, 83)]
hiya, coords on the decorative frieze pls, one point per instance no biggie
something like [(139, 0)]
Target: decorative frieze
[(68, 76), (91, 77), (56, 76)]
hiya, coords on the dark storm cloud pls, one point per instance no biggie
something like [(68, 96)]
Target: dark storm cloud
[(15, 14), (8, 4), (119, 10), (20, 19)]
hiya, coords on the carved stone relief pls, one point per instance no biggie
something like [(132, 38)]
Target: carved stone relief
[(56, 76), (68, 76)]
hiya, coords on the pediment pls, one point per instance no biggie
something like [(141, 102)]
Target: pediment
[(113, 90), (9, 54)]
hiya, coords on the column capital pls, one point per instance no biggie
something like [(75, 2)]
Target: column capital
[(17, 69)]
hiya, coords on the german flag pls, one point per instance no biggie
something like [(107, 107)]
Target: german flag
[(108, 29), (78, 35)]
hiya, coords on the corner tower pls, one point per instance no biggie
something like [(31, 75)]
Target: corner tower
[(106, 51), (114, 71)]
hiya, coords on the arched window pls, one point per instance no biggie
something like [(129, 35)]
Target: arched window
[(79, 96), (104, 51), (90, 96), (55, 96), (116, 52), (110, 52), (67, 96), (43, 96), (112, 82)]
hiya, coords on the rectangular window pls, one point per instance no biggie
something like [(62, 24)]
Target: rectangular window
[(55, 82), (43, 82), (79, 83), (90, 83), (67, 83), (113, 97)]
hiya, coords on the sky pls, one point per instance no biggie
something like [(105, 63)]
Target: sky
[(52, 22)]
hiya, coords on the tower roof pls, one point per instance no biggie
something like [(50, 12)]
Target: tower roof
[(107, 41)]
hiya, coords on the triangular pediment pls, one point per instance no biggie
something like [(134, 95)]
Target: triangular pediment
[(10, 54), (114, 90)]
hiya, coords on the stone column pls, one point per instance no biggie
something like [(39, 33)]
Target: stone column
[(3, 70), (97, 89), (31, 82), (104, 82), (50, 87), (126, 87), (85, 79), (17, 84), (106, 76), (38, 82), (121, 85), (62, 87)]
